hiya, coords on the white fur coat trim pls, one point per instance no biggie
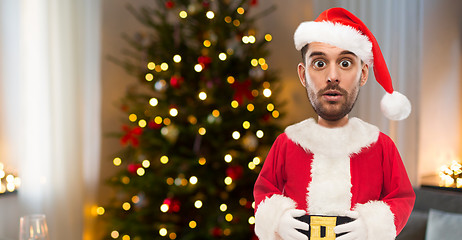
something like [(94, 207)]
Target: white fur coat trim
[(268, 213), (379, 220), (329, 192)]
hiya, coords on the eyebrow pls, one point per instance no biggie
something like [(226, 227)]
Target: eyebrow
[(323, 54)]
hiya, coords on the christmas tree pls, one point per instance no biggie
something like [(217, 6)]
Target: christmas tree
[(199, 123)]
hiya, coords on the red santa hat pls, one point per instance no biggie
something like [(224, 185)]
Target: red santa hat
[(340, 28)]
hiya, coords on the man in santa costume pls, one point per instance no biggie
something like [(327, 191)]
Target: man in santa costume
[(320, 174)]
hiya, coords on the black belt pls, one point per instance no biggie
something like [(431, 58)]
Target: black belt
[(322, 227)]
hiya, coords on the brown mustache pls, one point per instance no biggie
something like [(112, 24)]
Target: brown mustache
[(332, 87)]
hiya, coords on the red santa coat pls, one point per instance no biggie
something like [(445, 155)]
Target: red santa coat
[(331, 171)]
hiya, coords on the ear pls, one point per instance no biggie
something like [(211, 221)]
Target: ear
[(364, 74), (302, 73)]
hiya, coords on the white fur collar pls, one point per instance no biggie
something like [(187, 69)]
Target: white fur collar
[(342, 141)]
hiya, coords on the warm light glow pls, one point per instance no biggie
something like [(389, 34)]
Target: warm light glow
[(170, 181), (151, 66), (228, 158), (126, 206), (153, 102), (117, 161), (135, 199), (229, 217), (275, 114), (202, 131), (198, 68), (202, 161), (142, 123), (270, 107), (264, 67), (193, 180), (149, 77), (125, 180), (243, 201), (163, 232), (146, 163), (114, 234), (236, 135), (256, 160), (126, 237), (192, 224), (268, 37), (164, 208), (173, 112), (245, 39), (254, 62), (207, 43), (234, 104), (230, 79), (246, 124), (250, 107), (172, 235), (223, 207), (164, 66), (267, 92), (198, 204), (183, 14), (177, 58), (251, 165), (132, 117), (236, 23), (259, 134), (222, 56), (251, 220), (240, 10), (228, 19), (158, 120), (210, 15), (228, 180), (100, 211), (202, 96), (140, 171), (252, 39), (215, 113), (164, 159)]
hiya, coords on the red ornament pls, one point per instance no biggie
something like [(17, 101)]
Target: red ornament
[(217, 232), (176, 81), (153, 125), (131, 135), (254, 2), (173, 205), (206, 4), (204, 61), (133, 167), (242, 91), (235, 172), (169, 4)]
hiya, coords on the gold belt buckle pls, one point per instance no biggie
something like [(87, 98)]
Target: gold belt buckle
[(316, 222)]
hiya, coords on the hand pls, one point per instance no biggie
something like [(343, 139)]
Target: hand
[(288, 225), (355, 230)]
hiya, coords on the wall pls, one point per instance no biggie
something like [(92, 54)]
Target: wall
[(441, 88)]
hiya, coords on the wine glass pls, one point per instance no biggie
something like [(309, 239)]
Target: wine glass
[(33, 227)]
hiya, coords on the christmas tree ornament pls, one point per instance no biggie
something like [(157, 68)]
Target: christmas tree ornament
[(170, 132), (235, 172), (242, 91), (250, 142), (133, 167), (131, 135), (169, 4), (160, 85)]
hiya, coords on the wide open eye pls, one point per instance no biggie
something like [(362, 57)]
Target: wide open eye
[(345, 63), (319, 64)]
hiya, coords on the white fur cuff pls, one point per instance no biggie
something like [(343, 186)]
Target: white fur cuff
[(268, 213), (379, 220)]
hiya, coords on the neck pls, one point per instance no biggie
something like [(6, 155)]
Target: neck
[(333, 124)]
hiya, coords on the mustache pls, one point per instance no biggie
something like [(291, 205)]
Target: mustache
[(330, 87)]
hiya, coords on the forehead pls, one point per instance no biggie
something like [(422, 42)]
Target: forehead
[(319, 48)]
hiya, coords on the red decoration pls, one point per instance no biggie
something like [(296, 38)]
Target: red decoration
[(242, 91), (254, 2), (133, 167), (169, 4), (204, 61), (217, 232), (235, 172), (131, 135), (206, 4), (173, 205), (124, 107), (266, 117), (176, 81), (154, 125)]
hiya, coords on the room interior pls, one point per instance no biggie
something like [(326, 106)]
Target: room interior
[(59, 89)]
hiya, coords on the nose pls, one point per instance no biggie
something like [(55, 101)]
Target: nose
[(333, 75)]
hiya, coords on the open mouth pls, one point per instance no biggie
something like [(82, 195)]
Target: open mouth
[(332, 95)]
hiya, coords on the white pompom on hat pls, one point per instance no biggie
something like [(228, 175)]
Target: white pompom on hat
[(340, 28)]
